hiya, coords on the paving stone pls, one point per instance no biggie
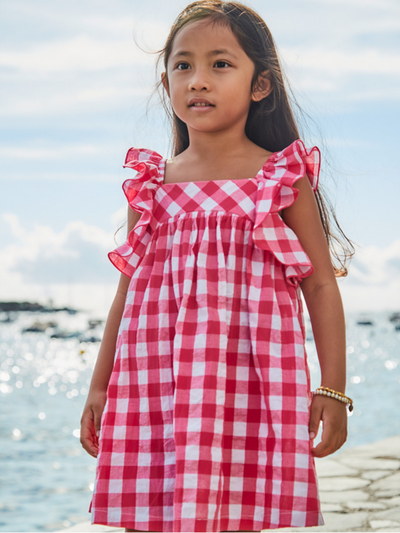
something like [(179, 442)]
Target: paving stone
[(382, 524), (331, 468), (333, 522), (386, 493), (342, 521), (388, 483), (86, 527), (387, 448), (365, 505), (392, 501), (332, 508), (373, 475), (344, 496), (363, 463), (342, 483), (389, 514)]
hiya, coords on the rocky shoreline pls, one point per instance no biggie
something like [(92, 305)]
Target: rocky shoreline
[(359, 489)]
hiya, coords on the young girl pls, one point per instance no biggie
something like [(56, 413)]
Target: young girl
[(205, 420)]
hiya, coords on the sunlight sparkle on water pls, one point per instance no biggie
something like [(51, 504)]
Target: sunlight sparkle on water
[(357, 379)]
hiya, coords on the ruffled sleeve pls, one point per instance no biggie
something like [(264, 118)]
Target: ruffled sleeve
[(139, 192), (276, 192)]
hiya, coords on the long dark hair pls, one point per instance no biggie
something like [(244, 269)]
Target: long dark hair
[(270, 123)]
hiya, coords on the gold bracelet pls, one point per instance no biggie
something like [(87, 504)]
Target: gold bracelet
[(325, 391)]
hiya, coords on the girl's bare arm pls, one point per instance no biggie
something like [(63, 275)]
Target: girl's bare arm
[(324, 305), (91, 416)]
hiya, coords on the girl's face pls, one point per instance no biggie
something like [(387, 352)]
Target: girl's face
[(209, 78)]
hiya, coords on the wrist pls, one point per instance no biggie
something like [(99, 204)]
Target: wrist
[(335, 395), (341, 390), (97, 391), (338, 384)]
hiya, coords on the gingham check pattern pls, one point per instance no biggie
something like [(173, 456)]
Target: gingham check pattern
[(206, 422)]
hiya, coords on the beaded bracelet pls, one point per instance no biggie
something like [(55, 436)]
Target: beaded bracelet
[(325, 391)]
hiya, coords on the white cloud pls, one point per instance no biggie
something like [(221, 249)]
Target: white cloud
[(119, 218), (56, 175), (375, 266), (81, 53), (56, 98), (50, 151), (16, 229), (373, 283), (381, 4), (344, 75), (70, 267), (337, 63), (335, 23), (77, 254)]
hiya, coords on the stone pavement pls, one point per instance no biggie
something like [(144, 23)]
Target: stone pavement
[(359, 490)]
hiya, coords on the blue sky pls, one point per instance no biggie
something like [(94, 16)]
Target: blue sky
[(73, 95)]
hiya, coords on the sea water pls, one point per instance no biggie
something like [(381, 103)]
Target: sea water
[(46, 478)]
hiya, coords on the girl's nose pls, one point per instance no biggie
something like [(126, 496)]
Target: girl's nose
[(199, 82)]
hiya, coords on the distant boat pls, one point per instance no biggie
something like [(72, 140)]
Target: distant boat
[(40, 327), (395, 320), (88, 337), (82, 336), (62, 334), (364, 321), (94, 323)]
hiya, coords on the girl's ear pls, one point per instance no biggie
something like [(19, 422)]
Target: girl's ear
[(263, 87), (164, 81)]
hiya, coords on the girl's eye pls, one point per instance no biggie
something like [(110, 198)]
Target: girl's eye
[(221, 64), (182, 66)]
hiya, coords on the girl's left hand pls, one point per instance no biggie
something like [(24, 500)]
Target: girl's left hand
[(333, 415)]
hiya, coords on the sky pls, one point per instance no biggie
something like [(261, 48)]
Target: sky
[(76, 86)]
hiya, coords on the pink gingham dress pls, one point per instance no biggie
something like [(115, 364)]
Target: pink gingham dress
[(206, 422)]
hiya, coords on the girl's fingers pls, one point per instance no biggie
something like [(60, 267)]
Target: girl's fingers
[(328, 446), (315, 419), (88, 436), (334, 433)]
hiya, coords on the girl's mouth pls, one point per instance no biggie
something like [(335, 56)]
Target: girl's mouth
[(199, 102)]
